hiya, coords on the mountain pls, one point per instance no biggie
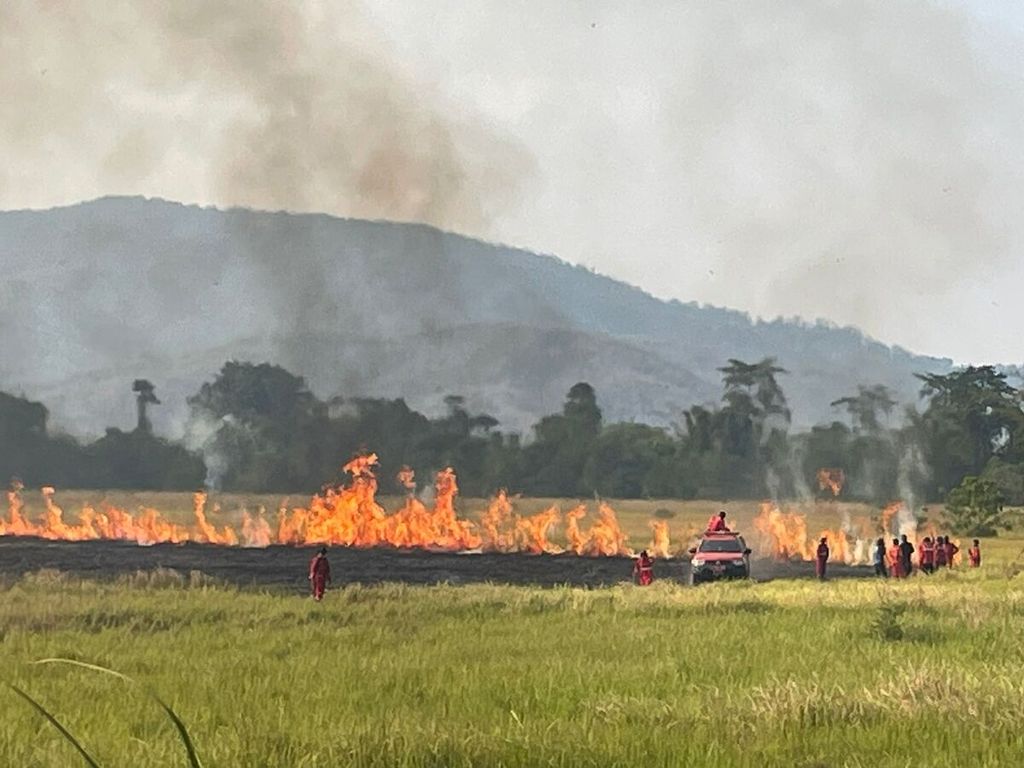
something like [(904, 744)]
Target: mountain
[(100, 293)]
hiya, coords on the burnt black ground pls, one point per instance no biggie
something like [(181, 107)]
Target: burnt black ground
[(284, 568)]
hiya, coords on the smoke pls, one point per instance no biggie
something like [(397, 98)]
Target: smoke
[(201, 436), (244, 102)]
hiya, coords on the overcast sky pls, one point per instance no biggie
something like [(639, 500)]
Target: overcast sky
[(858, 161)]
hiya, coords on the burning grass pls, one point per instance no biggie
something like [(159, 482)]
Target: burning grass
[(785, 673)]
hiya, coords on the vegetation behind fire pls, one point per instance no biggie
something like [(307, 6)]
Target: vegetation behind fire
[(259, 428)]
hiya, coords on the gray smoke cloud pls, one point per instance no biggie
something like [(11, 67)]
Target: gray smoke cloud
[(243, 102), (858, 160)]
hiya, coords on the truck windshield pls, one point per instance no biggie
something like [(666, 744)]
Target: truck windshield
[(721, 545)]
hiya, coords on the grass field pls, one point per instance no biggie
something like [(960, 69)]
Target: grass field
[(790, 673)]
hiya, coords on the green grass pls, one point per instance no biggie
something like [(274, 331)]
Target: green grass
[(777, 674)]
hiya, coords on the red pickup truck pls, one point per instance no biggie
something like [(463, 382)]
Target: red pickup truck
[(719, 555)]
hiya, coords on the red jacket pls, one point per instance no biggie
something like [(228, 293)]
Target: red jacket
[(319, 568), (717, 523), (974, 554), (926, 553), (823, 552)]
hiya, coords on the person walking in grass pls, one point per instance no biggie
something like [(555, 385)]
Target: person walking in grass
[(951, 550), (821, 558), (895, 561), (879, 559), (926, 555), (319, 574), (974, 554), (940, 552), (906, 556), (643, 569)]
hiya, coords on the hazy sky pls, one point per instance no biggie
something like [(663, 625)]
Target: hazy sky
[(858, 161)]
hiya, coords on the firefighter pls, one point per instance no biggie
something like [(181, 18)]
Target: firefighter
[(940, 551), (906, 556), (926, 555), (319, 574), (895, 561), (821, 558), (717, 523), (643, 569), (974, 554), (879, 559), (951, 550)]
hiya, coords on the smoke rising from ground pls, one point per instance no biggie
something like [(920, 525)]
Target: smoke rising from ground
[(239, 102)]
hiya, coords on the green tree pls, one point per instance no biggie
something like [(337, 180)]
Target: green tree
[(975, 507), (972, 416), (554, 462), (268, 427)]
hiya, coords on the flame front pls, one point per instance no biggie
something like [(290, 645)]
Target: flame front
[(348, 516)]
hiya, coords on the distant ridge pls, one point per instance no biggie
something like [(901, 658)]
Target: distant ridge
[(99, 293)]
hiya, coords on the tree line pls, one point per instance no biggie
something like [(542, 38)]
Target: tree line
[(263, 430)]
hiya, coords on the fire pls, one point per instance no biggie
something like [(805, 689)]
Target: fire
[(831, 479), (348, 515), (783, 534), (660, 541)]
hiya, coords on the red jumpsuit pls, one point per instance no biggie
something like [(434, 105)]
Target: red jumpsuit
[(926, 556), (319, 575), (974, 555), (643, 570), (951, 549), (716, 524), (895, 567), (821, 560)]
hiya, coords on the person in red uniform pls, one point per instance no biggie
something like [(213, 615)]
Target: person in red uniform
[(951, 550), (926, 556), (643, 569), (319, 574), (895, 561), (821, 559), (717, 523), (940, 551), (974, 554)]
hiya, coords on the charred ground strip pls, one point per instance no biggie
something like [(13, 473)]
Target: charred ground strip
[(284, 567)]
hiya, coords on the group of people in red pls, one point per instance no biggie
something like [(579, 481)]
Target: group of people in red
[(897, 560)]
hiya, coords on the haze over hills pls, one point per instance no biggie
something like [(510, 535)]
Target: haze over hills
[(100, 293)]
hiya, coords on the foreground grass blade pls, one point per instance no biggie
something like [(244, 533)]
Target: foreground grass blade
[(193, 756), (56, 724)]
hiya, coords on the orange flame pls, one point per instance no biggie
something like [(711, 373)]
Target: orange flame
[(832, 479), (783, 534), (660, 546), (348, 515)]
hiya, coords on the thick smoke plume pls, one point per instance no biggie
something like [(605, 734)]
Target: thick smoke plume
[(245, 102)]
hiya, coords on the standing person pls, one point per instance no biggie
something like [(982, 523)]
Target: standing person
[(821, 558), (643, 569), (906, 556), (895, 561), (319, 574), (717, 523), (926, 555), (951, 550), (974, 554), (879, 559), (940, 551)]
